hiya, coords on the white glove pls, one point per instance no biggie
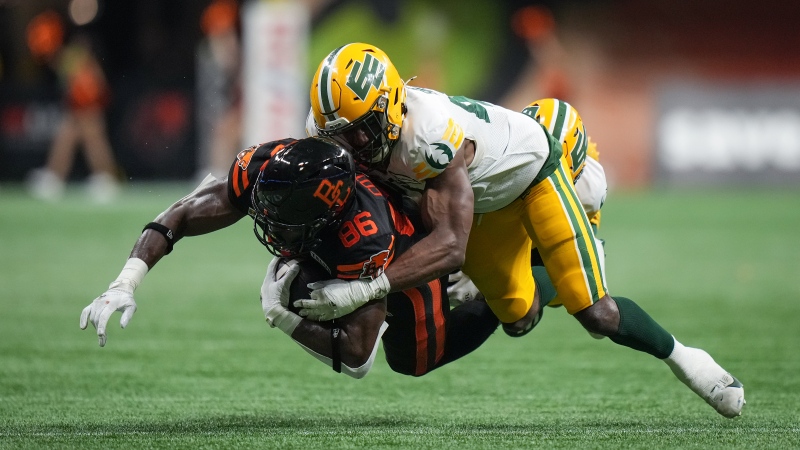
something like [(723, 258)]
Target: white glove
[(275, 295), (118, 297), (331, 299), (461, 289)]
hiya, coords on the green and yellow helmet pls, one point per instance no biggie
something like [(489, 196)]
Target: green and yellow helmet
[(565, 124), (357, 89)]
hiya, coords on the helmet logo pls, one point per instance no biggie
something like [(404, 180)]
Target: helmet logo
[(365, 75), (532, 111), (244, 156), (578, 153), (331, 194)]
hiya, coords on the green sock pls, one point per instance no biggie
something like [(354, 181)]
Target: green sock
[(547, 292), (639, 331)]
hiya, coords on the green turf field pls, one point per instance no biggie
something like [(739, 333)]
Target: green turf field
[(199, 368)]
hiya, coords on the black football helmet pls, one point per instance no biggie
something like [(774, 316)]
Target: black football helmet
[(304, 187)]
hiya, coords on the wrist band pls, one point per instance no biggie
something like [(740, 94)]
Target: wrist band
[(336, 355), (166, 232)]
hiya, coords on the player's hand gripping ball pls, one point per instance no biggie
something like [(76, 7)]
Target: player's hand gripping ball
[(310, 271)]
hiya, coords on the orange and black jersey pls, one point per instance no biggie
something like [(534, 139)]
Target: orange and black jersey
[(369, 234), (368, 237), (423, 333), (245, 169)]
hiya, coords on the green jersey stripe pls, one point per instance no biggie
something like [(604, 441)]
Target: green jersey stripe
[(586, 243)]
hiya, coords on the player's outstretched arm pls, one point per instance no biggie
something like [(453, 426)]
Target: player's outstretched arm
[(205, 210)]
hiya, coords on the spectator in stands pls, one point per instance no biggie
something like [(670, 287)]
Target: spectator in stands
[(219, 105), (86, 96)]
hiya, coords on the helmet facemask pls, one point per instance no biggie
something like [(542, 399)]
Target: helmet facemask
[(303, 189), (370, 138), (288, 240)]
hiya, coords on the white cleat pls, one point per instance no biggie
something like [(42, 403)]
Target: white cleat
[(698, 370), (727, 396)]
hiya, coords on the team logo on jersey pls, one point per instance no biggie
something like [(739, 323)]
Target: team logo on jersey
[(374, 267), (331, 194), (441, 158), (244, 157), (365, 76)]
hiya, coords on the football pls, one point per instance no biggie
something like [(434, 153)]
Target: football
[(310, 271)]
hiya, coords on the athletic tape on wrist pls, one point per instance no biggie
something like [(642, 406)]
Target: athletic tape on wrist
[(380, 286), (134, 271), (166, 232)]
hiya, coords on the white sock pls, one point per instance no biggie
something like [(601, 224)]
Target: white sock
[(694, 367)]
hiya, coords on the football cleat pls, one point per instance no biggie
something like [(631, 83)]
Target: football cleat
[(727, 396), (710, 381)]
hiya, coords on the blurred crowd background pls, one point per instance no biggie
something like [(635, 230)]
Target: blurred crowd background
[(675, 93)]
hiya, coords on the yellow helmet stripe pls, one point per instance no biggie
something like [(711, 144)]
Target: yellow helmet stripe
[(325, 90)]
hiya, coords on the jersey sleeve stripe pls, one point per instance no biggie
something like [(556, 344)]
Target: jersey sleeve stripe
[(236, 189), (351, 267), (401, 222), (277, 148), (359, 267), (348, 276), (245, 181)]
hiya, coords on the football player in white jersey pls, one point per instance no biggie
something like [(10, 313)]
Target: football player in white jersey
[(565, 124), (490, 184)]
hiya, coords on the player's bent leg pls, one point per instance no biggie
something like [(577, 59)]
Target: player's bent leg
[(625, 323), (424, 334), (415, 341), (559, 229), (693, 366), (468, 326), (601, 318), (498, 262), (532, 318), (544, 285)]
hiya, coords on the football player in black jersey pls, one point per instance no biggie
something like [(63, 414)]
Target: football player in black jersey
[(307, 201)]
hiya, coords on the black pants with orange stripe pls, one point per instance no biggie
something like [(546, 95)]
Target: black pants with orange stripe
[(424, 333)]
